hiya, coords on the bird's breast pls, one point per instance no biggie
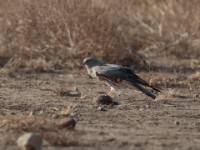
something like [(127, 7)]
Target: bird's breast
[(92, 72)]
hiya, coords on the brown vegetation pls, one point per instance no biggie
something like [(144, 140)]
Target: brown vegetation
[(161, 36), (58, 34)]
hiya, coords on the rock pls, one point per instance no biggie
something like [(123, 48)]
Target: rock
[(103, 100), (31, 113), (147, 106), (176, 122), (30, 141), (196, 95), (55, 116), (13, 113), (101, 109), (67, 123)]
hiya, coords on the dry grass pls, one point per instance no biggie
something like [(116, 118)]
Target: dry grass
[(69, 111), (27, 123), (161, 79), (65, 92), (167, 94), (11, 66), (195, 76), (60, 33), (48, 128)]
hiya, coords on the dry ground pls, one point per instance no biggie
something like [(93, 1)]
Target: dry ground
[(41, 41), (32, 102)]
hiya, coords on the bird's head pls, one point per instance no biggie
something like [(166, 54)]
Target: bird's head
[(91, 62)]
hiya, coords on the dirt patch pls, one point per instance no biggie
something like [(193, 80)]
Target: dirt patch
[(33, 103), (52, 38)]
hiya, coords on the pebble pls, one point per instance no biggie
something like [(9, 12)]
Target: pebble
[(30, 141), (176, 122), (55, 116), (13, 113), (67, 123), (101, 109)]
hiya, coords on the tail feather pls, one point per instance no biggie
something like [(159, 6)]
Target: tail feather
[(145, 91), (154, 88), (144, 83), (135, 79)]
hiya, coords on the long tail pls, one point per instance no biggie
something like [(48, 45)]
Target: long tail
[(145, 91)]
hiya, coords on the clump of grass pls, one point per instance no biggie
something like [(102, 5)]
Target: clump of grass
[(195, 76), (167, 94), (11, 65), (27, 123), (66, 92), (63, 32), (161, 79), (69, 111), (47, 127)]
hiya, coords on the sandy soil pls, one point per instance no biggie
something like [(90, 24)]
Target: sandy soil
[(32, 103)]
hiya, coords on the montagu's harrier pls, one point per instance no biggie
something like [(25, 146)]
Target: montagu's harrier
[(115, 76)]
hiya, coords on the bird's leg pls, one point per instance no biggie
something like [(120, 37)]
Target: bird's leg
[(111, 91)]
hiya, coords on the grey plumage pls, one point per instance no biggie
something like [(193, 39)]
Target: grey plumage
[(114, 75)]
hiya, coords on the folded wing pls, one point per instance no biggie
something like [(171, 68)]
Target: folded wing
[(116, 73)]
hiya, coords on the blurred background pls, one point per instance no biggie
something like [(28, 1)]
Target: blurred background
[(42, 35)]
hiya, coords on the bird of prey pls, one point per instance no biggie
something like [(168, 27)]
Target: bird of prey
[(115, 76)]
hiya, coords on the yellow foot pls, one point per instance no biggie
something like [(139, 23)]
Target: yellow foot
[(111, 92)]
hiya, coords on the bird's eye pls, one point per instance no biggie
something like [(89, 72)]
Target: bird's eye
[(87, 61)]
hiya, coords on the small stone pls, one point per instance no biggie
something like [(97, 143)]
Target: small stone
[(30, 141), (55, 116), (110, 139), (103, 100), (101, 109), (176, 122), (1, 85), (13, 113), (196, 95), (67, 123), (138, 144), (83, 96), (147, 106), (41, 112), (55, 109), (32, 113)]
